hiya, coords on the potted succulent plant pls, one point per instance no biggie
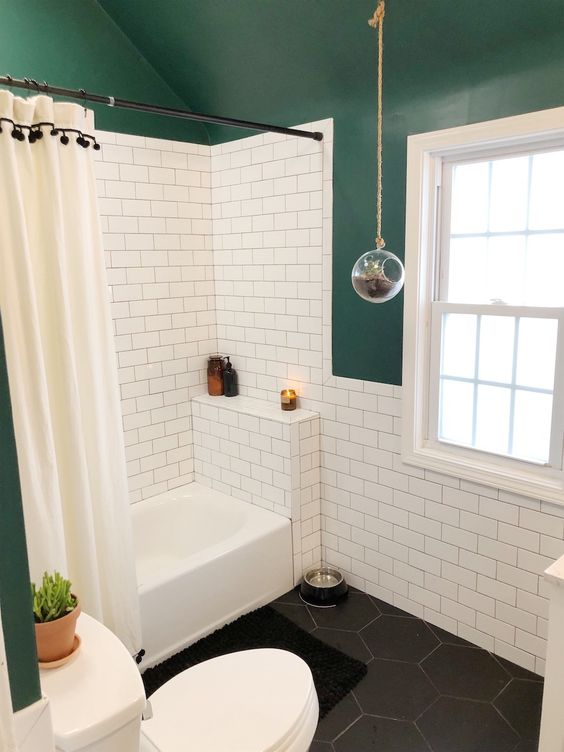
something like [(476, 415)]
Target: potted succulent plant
[(56, 610)]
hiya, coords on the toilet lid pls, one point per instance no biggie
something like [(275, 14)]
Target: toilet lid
[(251, 701)]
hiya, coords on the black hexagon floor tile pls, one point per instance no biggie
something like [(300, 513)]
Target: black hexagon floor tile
[(471, 673), (398, 638), (372, 734), (454, 725), (450, 639), (353, 613), (517, 672), (298, 614), (527, 745), (520, 703), (387, 608), (350, 643), (292, 596), (394, 689), (341, 717), (405, 649)]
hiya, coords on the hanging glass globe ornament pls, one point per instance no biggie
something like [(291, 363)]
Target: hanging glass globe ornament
[(378, 276)]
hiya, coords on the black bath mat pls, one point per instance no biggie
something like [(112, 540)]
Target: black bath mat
[(334, 673)]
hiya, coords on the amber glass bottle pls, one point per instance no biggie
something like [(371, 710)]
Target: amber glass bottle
[(215, 375)]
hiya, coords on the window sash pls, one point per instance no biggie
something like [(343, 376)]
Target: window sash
[(438, 309), (444, 203)]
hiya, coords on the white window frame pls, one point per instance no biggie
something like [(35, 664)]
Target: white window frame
[(426, 156)]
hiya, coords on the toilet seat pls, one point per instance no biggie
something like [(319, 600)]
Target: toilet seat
[(260, 700)]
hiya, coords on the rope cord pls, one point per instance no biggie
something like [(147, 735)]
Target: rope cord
[(377, 21)]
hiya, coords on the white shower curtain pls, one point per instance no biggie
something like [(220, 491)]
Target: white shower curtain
[(62, 366)]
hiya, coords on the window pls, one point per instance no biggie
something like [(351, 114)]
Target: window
[(484, 310)]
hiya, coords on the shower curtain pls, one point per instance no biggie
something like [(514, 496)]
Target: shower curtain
[(61, 362)]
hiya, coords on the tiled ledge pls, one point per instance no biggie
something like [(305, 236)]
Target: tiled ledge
[(256, 408), (555, 572)]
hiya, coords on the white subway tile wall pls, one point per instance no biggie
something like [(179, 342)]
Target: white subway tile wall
[(155, 202), (468, 558), (268, 209), (465, 557)]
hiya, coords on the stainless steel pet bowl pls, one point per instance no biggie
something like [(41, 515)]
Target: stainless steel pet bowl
[(323, 587)]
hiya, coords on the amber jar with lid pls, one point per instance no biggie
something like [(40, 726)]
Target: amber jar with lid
[(215, 375)]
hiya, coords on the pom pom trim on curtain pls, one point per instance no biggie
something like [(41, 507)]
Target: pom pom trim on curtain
[(35, 133)]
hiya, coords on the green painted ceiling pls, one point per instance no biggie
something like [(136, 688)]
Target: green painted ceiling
[(282, 59)]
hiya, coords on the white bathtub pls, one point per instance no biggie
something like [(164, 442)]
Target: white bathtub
[(204, 558)]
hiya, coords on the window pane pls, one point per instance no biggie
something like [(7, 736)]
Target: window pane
[(496, 348), (531, 427), (455, 411), (467, 264), (492, 419), (547, 184), (459, 345), (536, 353), (505, 270), (509, 187), (504, 244), (470, 198), (545, 270)]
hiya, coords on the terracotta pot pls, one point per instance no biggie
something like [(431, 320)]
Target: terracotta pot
[(55, 639)]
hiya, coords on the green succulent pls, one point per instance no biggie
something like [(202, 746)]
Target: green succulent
[(53, 599)]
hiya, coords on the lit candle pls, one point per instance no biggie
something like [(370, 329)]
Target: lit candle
[(288, 399)]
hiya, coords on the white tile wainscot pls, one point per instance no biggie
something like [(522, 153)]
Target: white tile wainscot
[(253, 450)]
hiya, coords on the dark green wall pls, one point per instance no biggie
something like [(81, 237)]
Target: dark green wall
[(15, 594), (75, 43), (447, 62)]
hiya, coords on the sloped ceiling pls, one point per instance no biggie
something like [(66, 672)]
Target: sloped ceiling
[(275, 59)]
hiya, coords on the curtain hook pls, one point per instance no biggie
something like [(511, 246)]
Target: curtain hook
[(82, 91)]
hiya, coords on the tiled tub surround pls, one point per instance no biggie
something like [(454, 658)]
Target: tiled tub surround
[(254, 451), (154, 196), (465, 557), (270, 198)]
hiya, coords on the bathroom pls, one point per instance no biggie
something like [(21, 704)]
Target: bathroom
[(227, 240)]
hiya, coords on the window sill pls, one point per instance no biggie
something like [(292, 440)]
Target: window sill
[(537, 484)]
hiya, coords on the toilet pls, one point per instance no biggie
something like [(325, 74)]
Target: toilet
[(260, 700)]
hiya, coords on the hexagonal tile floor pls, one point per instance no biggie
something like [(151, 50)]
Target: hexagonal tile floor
[(426, 690)]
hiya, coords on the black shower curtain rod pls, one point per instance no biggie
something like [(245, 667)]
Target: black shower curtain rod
[(126, 104)]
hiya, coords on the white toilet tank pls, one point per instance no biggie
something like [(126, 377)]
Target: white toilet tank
[(98, 697)]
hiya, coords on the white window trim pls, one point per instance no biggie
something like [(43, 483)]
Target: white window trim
[(425, 154)]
